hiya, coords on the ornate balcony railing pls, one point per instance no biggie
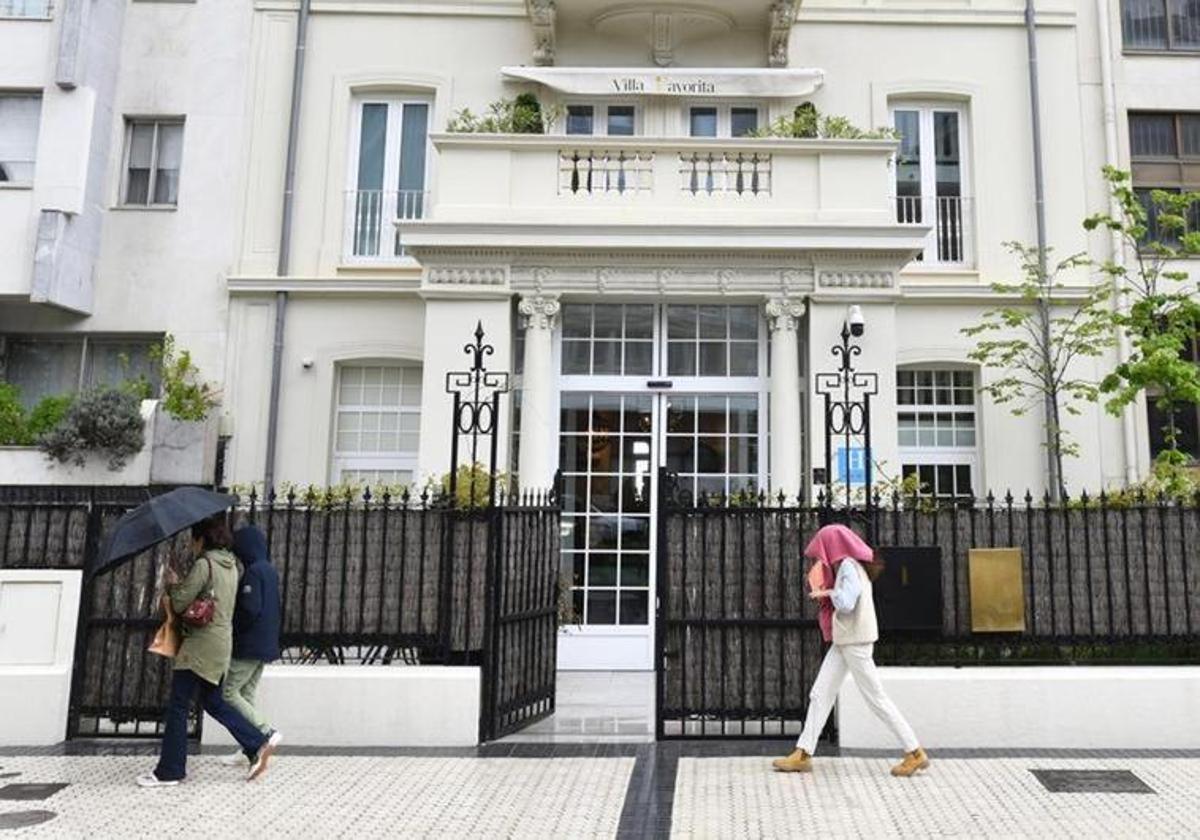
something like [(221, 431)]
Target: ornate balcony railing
[(951, 242), (371, 216)]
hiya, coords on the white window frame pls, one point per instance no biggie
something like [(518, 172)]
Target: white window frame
[(37, 129), (395, 103), (341, 462), (724, 118), (600, 117), (132, 120), (925, 109), (942, 455)]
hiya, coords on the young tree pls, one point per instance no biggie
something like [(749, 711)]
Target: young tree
[(1035, 343), (1160, 311)]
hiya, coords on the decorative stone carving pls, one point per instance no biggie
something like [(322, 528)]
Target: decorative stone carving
[(467, 275), (664, 48), (784, 314), (725, 280), (855, 279), (539, 312), (542, 14), (783, 18), (571, 273)]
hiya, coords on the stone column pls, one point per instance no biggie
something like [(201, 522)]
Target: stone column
[(536, 464), (783, 318)]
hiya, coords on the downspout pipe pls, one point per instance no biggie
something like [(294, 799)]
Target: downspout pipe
[(1039, 203), (285, 240), (1116, 244)]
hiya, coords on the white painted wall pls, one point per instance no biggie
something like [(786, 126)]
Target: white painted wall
[(1073, 707), (39, 610), (367, 706)]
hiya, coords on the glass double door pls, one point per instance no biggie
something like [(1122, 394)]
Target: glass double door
[(615, 430)]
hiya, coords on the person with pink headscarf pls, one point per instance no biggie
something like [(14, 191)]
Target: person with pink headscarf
[(847, 619)]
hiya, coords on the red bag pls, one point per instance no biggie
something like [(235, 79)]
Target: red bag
[(200, 612)]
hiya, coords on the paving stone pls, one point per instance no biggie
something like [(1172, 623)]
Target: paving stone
[(1091, 781), (26, 792), (24, 819)]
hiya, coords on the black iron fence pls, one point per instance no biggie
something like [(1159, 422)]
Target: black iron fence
[(365, 579), (1105, 581)]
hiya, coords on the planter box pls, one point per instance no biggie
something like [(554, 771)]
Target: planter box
[(29, 465), (185, 452), (177, 452)]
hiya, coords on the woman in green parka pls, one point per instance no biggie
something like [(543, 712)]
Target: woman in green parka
[(203, 657)]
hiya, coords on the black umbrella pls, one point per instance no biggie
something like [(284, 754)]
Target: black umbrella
[(159, 519)]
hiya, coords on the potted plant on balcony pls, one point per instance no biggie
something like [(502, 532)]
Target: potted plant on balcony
[(185, 428), (521, 114)]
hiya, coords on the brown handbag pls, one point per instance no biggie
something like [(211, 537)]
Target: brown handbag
[(200, 612), (166, 638)]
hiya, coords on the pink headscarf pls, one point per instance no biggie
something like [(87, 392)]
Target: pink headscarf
[(829, 546)]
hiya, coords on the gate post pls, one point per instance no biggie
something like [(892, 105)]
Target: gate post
[(660, 582), (91, 545)]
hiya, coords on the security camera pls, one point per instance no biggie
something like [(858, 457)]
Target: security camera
[(306, 363), (855, 320)]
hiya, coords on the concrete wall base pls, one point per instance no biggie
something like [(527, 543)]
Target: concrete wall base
[(367, 706), (1068, 707)]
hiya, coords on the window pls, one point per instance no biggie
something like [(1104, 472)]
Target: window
[(931, 179), (1185, 417), (722, 120), (388, 173), (1161, 24), (613, 120), (612, 340), (45, 366), (1164, 149), (712, 340), (25, 8), (20, 114), (153, 153), (937, 430), (377, 429)]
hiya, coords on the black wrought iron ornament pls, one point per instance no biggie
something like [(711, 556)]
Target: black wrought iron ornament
[(847, 400), (476, 413)]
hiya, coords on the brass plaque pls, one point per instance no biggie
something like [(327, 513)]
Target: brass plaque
[(997, 590)]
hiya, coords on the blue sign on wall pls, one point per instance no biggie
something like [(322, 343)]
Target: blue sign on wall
[(852, 465)]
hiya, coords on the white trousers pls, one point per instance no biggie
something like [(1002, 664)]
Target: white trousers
[(855, 659)]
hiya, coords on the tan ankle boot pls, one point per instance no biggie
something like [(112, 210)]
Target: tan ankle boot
[(912, 762), (798, 762)]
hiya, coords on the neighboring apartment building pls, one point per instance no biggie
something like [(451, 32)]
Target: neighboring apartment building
[(120, 167)]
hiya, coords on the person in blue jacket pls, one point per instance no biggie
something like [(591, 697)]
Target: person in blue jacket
[(255, 632)]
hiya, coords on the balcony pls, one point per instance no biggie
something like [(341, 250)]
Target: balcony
[(951, 241), (541, 191), (372, 234)]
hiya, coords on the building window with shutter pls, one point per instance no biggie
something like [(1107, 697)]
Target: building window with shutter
[(153, 155)]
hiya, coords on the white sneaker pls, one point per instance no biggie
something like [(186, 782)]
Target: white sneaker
[(264, 755), (149, 780), (235, 759)]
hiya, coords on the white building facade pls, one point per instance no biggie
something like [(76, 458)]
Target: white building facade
[(663, 286)]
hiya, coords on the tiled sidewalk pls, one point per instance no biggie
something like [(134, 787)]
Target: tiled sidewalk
[(977, 797), (591, 790)]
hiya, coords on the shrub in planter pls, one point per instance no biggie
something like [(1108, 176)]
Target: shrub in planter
[(522, 114), (12, 416), (103, 421), (184, 396), (46, 416)]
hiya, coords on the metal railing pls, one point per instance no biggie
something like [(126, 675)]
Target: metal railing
[(951, 242), (605, 171), (41, 9), (725, 173), (371, 216), (1107, 580)]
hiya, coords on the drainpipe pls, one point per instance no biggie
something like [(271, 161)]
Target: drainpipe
[(1039, 202), (1116, 244), (285, 240)]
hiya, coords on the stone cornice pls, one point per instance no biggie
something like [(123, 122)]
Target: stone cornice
[(323, 285)]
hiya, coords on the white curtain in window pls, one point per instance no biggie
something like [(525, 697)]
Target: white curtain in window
[(170, 155), (19, 116)]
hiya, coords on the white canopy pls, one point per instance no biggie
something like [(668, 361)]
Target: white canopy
[(695, 82)]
